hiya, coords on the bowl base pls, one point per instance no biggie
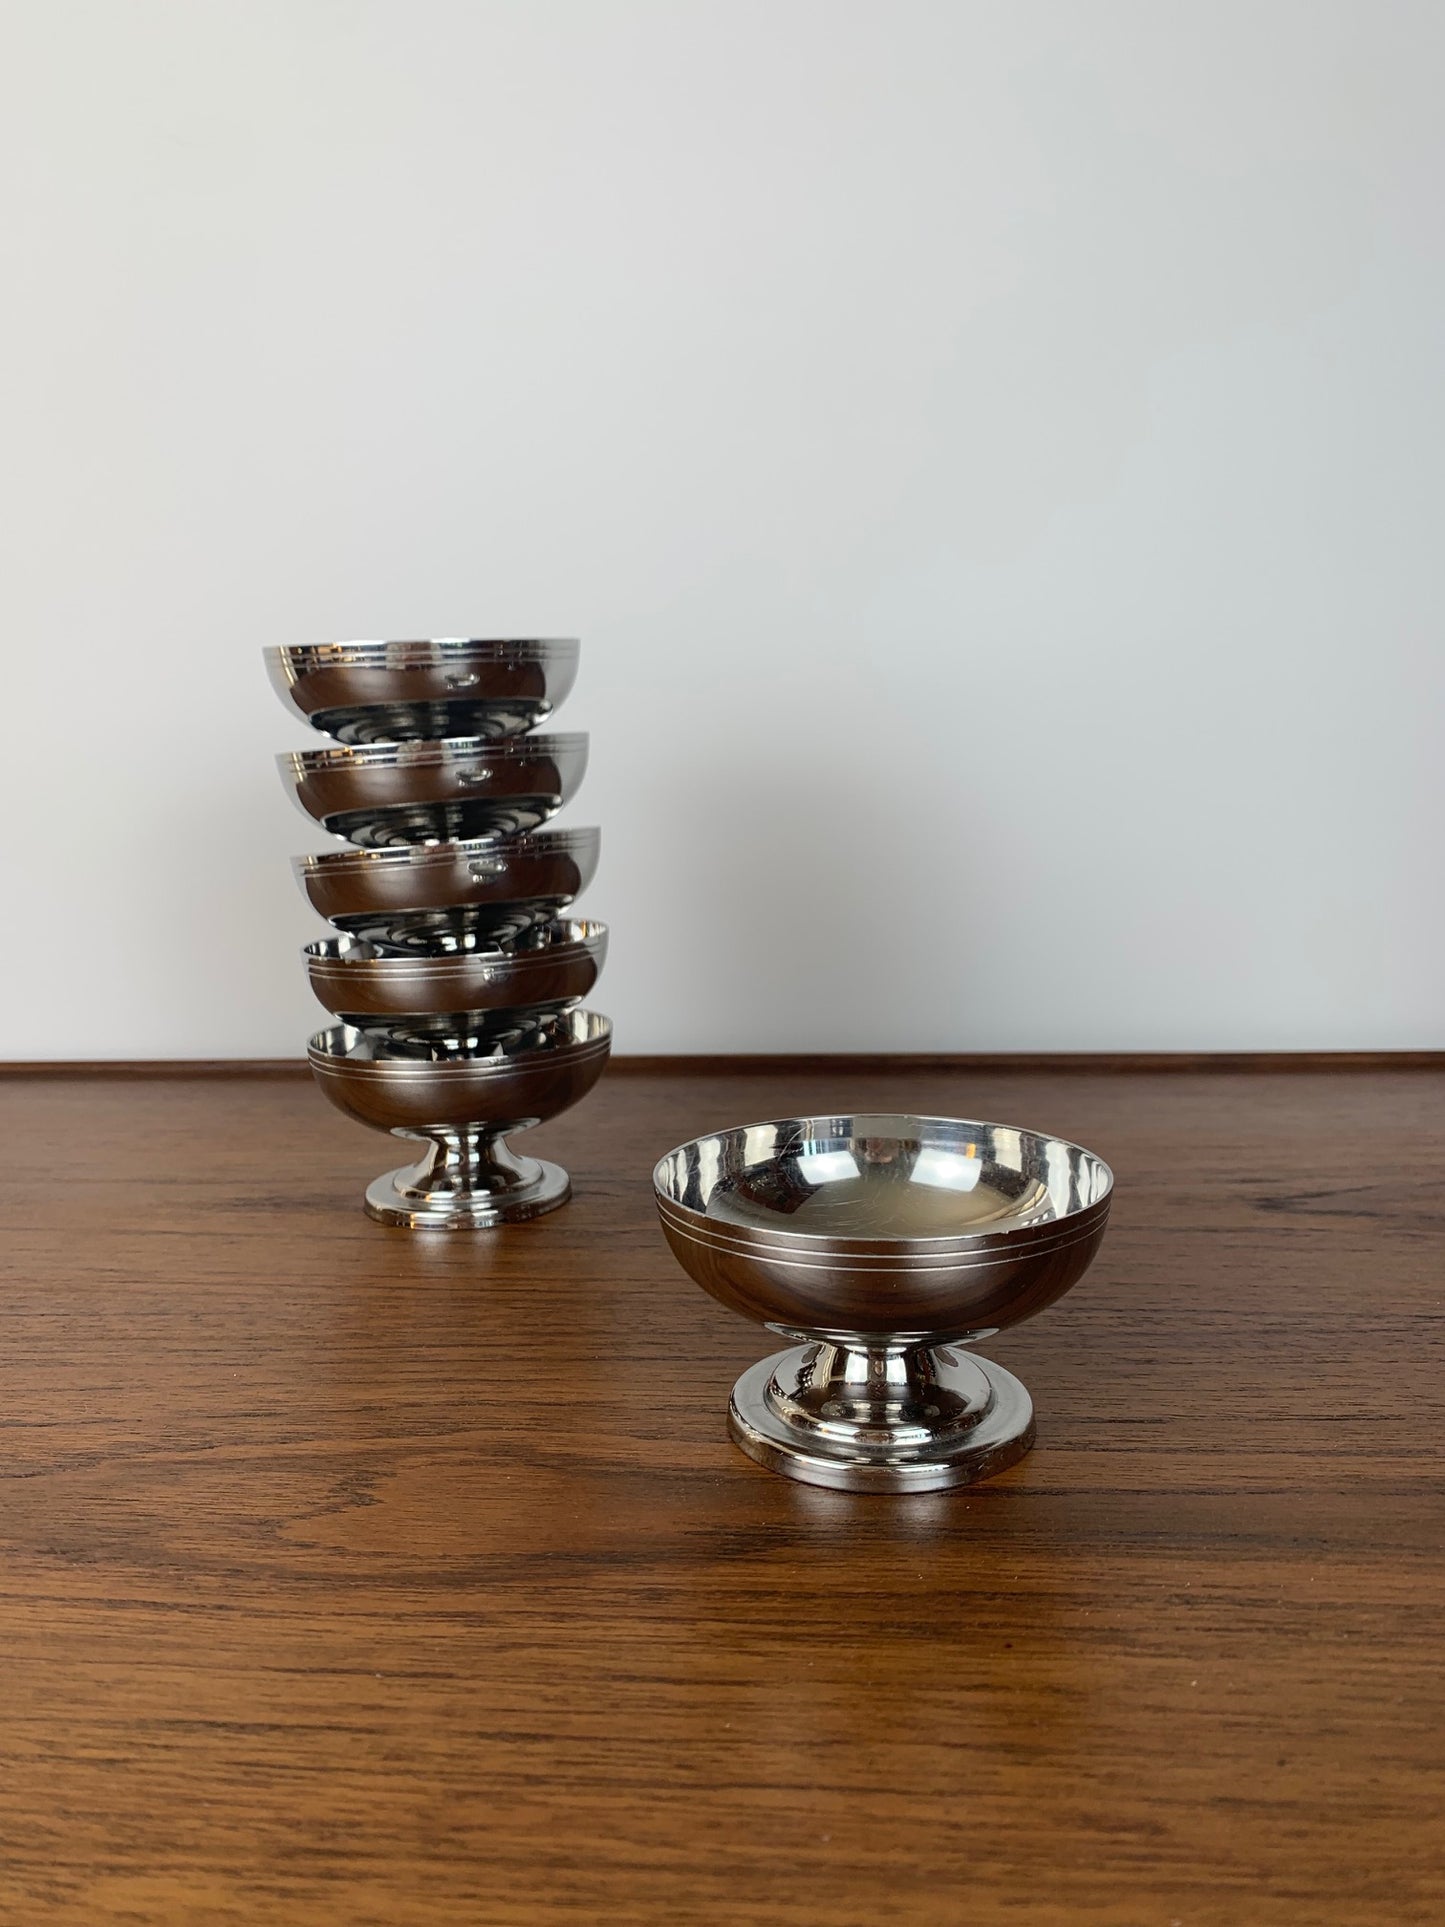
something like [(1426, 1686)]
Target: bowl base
[(901, 1420), (396, 1199)]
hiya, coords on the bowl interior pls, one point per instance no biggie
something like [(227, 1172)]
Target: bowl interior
[(882, 1177)]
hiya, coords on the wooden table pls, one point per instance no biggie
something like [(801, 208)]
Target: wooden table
[(355, 1577)]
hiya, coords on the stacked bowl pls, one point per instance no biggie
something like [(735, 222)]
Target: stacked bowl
[(457, 976)]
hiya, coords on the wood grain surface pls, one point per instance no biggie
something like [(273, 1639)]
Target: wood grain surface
[(354, 1577)]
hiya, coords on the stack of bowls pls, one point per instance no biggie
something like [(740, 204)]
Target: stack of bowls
[(457, 977)]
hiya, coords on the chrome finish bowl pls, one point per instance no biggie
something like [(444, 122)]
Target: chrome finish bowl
[(463, 1104), (887, 1243), (548, 970), (385, 795), (451, 898), (369, 692)]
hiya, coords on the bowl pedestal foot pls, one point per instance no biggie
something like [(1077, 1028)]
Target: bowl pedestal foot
[(468, 1181), (891, 1419)]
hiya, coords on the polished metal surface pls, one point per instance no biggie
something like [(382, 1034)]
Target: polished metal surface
[(466, 1184), (381, 795), (886, 1242), (547, 969), (463, 1102), (458, 983), (886, 1422), (451, 898), (362, 692)]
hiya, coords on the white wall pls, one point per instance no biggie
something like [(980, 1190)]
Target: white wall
[(992, 453)]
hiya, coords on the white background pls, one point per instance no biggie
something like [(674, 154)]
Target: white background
[(992, 454)]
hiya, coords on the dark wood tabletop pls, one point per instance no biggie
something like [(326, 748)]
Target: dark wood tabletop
[(356, 1577)]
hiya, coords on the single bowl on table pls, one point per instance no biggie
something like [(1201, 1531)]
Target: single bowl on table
[(888, 1244)]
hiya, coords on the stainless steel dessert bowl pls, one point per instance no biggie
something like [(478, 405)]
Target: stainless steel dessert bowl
[(451, 898), (887, 1243), (381, 795), (546, 970), (463, 1105), (361, 692)]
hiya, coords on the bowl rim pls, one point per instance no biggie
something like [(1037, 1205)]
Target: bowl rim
[(369, 651), (901, 1255), (470, 849), (430, 750), (596, 1042), (1019, 1235), (586, 936)]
